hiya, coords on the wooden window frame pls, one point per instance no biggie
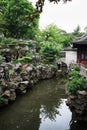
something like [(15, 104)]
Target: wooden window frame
[(84, 55)]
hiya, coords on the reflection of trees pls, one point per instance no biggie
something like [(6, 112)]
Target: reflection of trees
[(50, 111), (25, 113), (51, 101)]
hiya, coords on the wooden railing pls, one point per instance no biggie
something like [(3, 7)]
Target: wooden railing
[(83, 71)]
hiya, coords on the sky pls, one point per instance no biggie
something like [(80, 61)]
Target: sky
[(66, 16)]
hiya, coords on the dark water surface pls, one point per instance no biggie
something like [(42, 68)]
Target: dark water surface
[(43, 108)]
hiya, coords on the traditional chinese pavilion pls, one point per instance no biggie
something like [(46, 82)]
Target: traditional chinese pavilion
[(81, 45)]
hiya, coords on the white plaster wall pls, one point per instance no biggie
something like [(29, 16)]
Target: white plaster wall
[(71, 57)]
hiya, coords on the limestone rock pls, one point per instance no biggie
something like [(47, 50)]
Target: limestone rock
[(12, 96), (7, 93), (83, 93)]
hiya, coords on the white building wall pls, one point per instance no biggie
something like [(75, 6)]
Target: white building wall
[(71, 57)]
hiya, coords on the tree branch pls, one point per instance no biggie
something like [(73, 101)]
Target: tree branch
[(40, 4)]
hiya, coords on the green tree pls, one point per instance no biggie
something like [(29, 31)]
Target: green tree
[(2, 24), (18, 17), (50, 52), (77, 32), (55, 35), (66, 39), (3, 5), (51, 33)]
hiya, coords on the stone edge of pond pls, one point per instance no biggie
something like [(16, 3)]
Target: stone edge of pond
[(78, 105), (18, 79)]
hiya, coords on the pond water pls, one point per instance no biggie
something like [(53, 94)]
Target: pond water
[(43, 108)]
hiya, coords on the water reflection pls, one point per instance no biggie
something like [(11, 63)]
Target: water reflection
[(43, 108), (78, 126), (61, 121)]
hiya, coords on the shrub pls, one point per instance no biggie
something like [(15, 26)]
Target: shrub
[(49, 52), (77, 84), (25, 60), (74, 74), (77, 68)]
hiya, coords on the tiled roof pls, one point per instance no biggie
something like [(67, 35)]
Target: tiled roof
[(69, 48), (82, 39)]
